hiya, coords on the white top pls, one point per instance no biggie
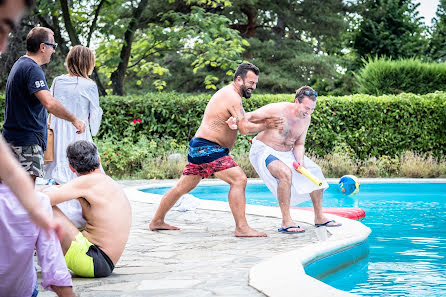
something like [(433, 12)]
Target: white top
[(80, 96)]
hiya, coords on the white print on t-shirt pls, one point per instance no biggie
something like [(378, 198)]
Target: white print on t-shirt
[(40, 84)]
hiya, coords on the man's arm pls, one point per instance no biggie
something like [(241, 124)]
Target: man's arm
[(254, 122), (55, 274), (74, 189), (299, 146), (56, 108)]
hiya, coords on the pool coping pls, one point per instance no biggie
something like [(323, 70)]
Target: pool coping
[(288, 275)]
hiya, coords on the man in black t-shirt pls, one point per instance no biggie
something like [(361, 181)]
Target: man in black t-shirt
[(27, 101)]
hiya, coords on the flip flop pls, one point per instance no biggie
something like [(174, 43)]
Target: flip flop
[(285, 230), (328, 222)]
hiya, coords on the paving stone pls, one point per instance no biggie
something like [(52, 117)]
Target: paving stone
[(200, 260)]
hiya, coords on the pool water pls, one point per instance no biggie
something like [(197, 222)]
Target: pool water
[(407, 246)]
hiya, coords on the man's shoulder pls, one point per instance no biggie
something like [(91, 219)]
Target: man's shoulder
[(227, 94), (97, 180)]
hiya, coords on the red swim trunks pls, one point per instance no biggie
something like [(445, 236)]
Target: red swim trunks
[(207, 169)]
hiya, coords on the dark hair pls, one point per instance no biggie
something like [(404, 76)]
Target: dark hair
[(28, 3), (83, 156), (243, 68), (305, 91), (35, 37)]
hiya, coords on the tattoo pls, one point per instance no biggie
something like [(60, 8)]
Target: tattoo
[(238, 114)]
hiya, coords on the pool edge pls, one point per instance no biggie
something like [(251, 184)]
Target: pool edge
[(278, 276)]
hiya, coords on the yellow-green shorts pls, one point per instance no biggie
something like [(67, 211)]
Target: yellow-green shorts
[(87, 260)]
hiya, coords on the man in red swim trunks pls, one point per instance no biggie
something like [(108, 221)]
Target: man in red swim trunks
[(209, 149)]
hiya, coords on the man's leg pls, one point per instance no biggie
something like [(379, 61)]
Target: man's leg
[(237, 180), (283, 173), (319, 217), (69, 230), (186, 184)]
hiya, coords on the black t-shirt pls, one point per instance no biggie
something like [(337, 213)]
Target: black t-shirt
[(25, 116)]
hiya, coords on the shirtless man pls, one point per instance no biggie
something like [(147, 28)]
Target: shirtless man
[(209, 150), (273, 153), (95, 251)]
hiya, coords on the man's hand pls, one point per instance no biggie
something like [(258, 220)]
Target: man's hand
[(41, 219), (275, 123), (80, 126), (63, 291), (232, 123)]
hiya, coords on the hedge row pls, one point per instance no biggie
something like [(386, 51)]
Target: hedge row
[(364, 124), (385, 76)]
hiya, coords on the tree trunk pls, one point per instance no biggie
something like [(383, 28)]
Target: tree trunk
[(95, 77), (68, 24), (75, 39), (117, 77)]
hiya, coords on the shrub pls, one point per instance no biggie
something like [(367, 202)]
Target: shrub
[(417, 166), (385, 76), (369, 126)]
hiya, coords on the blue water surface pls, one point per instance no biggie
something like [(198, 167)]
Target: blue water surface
[(407, 246)]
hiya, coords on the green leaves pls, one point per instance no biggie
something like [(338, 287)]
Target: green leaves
[(362, 124), (385, 76)]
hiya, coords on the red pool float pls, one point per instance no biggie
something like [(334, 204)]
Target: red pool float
[(353, 213)]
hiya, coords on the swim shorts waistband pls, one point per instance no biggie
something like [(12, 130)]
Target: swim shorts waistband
[(204, 151)]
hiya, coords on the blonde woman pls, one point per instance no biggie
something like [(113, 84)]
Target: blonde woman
[(79, 94)]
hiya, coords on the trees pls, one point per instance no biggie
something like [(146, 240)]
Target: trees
[(293, 42), (390, 28), (437, 45), (195, 45)]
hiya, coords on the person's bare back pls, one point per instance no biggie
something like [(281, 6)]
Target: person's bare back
[(107, 211)]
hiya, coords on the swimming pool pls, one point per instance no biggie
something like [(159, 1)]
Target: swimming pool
[(407, 246)]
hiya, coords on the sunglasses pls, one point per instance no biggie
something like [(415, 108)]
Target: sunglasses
[(310, 93), (54, 45)]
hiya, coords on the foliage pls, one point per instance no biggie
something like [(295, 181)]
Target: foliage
[(365, 126), (165, 159), (437, 44), (368, 126), (390, 28), (144, 159), (201, 38), (385, 76)]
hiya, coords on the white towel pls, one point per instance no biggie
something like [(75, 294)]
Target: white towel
[(186, 202), (301, 186)]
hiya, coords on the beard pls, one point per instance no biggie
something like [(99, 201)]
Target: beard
[(245, 92)]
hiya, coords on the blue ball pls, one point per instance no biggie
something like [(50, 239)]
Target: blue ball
[(349, 185)]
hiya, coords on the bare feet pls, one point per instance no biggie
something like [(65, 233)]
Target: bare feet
[(248, 232), (161, 226)]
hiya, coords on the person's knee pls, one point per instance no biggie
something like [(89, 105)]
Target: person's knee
[(183, 188), (285, 175), (240, 181)]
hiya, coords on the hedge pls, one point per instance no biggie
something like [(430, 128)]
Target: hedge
[(385, 76), (367, 125)]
